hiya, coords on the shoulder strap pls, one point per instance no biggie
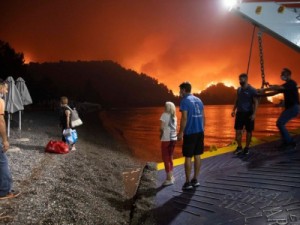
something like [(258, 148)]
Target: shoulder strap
[(68, 107)]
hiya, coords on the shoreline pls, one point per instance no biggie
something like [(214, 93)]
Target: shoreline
[(81, 187)]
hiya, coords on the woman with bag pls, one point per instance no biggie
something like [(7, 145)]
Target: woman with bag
[(65, 119), (168, 137)]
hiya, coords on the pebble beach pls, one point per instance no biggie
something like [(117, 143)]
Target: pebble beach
[(86, 186)]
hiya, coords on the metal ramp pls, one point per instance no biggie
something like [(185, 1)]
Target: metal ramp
[(261, 188), (279, 19)]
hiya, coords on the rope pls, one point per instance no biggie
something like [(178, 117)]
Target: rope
[(250, 52)]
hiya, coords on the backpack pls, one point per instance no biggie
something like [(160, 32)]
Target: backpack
[(75, 120)]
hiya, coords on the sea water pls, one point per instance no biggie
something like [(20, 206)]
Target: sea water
[(138, 128)]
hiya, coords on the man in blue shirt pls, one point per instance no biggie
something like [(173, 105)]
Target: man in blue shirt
[(244, 110), (192, 132)]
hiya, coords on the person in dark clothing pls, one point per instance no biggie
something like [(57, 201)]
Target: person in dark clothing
[(244, 111), (65, 118), (291, 104)]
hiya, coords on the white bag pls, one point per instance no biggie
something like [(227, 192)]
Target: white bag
[(75, 120)]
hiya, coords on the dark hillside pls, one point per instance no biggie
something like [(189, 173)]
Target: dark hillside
[(103, 82)]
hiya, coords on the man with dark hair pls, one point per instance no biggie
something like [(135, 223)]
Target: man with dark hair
[(192, 131), (244, 111), (291, 104), (5, 175)]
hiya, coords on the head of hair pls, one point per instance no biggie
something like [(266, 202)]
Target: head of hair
[(186, 86), (64, 100), (170, 108), (287, 71), (243, 75), (2, 82)]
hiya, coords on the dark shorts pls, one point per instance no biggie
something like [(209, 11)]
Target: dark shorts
[(242, 119), (193, 144)]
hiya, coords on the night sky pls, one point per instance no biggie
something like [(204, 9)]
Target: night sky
[(170, 40)]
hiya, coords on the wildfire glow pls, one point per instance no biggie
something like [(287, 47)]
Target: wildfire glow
[(276, 99), (27, 58), (226, 83)]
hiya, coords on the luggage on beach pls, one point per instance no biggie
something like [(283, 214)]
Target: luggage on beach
[(70, 136), (75, 120), (58, 147)]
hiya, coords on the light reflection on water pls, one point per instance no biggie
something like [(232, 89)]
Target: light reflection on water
[(139, 127)]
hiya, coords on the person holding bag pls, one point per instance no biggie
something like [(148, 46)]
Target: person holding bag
[(65, 121), (168, 137)]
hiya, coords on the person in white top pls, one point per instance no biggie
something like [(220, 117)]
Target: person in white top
[(168, 137)]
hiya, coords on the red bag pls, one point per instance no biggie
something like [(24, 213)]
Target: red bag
[(58, 147)]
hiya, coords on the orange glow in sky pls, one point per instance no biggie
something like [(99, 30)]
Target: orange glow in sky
[(171, 40)]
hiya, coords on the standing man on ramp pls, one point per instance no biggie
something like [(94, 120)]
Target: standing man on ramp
[(192, 131), (244, 111)]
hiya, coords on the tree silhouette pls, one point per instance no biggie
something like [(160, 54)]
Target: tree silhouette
[(11, 63)]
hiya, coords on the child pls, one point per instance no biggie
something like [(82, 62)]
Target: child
[(65, 118), (168, 137)]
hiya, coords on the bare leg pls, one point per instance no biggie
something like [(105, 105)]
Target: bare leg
[(188, 168), (248, 138), (197, 165), (238, 137), (169, 175)]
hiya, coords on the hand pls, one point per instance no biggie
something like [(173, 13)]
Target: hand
[(5, 146), (233, 114), (252, 117), (261, 91), (179, 136)]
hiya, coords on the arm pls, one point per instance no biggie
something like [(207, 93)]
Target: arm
[(270, 91), (234, 107), (182, 124), (255, 105), (162, 125), (68, 113), (204, 121), (3, 133)]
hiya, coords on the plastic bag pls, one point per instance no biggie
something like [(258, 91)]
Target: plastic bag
[(70, 136), (58, 147)]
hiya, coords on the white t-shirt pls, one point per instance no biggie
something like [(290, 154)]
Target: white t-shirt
[(169, 129)]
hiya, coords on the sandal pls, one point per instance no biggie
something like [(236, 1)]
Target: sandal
[(11, 194)]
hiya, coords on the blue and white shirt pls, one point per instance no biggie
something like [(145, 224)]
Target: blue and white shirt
[(194, 108)]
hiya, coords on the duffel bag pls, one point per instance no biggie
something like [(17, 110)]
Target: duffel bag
[(58, 147)]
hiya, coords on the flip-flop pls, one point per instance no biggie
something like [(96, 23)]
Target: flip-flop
[(11, 194)]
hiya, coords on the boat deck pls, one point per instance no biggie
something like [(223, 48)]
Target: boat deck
[(261, 188)]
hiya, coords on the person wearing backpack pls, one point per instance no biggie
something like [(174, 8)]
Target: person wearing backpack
[(65, 118)]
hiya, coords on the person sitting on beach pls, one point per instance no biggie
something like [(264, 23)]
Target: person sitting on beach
[(291, 104), (244, 111), (192, 131), (5, 174), (168, 137), (65, 118)]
